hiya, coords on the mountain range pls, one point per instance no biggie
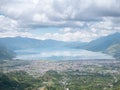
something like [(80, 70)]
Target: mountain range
[(102, 43), (108, 44), (16, 43)]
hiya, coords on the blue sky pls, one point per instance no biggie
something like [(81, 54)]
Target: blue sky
[(65, 20)]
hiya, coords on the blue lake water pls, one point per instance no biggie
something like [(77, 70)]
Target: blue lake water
[(59, 54)]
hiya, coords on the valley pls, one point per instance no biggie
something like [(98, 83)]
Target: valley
[(59, 44), (106, 47), (31, 64), (63, 75)]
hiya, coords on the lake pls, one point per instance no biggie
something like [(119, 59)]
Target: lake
[(59, 54)]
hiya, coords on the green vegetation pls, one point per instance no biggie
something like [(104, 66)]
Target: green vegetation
[(17, 81), (23, 81), (93, 75), (53, 80)]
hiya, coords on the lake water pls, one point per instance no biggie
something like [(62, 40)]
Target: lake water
[(59, 54)]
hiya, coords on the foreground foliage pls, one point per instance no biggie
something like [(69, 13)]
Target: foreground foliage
[(52, 80)]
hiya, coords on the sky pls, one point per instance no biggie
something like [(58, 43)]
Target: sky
[(64, 20)]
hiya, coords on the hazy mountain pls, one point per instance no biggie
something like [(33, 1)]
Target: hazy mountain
[(15, 43), (23, 43), (109, 44), (103, 43), (6, 53), (114, 50)]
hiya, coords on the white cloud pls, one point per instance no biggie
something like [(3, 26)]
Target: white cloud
[(7, 24), (65, 30), (78, 19), (40, 18), (66, 34), (57, 10), (15, 34)]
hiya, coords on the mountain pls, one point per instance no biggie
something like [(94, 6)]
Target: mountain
[(101, 44), (6, 53), (15, 43), (105, 44), (114, 50), (108, 44), (26, 46)]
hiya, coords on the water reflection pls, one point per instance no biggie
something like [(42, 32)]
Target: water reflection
[(59, 54)]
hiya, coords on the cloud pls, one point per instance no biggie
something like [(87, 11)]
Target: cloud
[(69, 34), (78, 19), (40, 18), (57, 11), (15, 34), (65, 30), (7, 24)]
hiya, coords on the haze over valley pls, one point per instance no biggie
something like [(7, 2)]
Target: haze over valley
[(59, 44), (27, 48)]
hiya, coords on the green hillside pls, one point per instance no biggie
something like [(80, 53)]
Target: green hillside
[(15, 81)]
